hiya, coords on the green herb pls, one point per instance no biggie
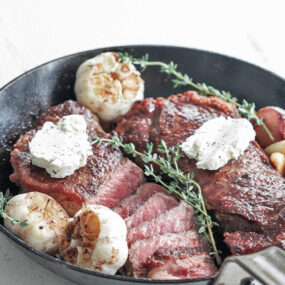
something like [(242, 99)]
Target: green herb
[(182, 184), (4, 198), (247, 110)]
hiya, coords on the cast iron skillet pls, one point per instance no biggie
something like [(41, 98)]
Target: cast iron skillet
[(25, 98)]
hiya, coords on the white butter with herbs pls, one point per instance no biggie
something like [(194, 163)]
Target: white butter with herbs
[(61, 148), (217, 141)]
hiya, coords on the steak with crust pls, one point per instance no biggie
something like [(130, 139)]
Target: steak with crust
[(177, 219), (106, 179), (142, 250), (245, 242), (247, 194), (181, 263), (154, 206), (129, 205)]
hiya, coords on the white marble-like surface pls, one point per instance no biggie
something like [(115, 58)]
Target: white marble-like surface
[(35, 31)]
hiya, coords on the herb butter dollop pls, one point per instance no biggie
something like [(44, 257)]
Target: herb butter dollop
[(61, 148), (217, 141)]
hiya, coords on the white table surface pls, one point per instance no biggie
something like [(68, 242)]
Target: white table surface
[(35, 31)]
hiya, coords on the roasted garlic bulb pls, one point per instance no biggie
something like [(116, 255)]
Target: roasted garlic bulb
[(95, 239), (109, 88), (45, 217)]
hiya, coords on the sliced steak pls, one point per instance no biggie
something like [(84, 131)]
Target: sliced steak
[(246, 242), (154, 206), (128, 206), (181, 263), (123, 181), (142, 250), (175, 220), (107, 177), (247, 194)]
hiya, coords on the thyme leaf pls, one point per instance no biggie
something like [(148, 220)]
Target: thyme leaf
[(246, 110), (4, 198), (181, 184)]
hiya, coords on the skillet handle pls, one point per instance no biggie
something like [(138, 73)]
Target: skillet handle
[(264, 267)]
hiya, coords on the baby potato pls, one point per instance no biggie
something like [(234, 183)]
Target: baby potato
[(278, 160), (276, 147), (45, 217), (106, 86), (274, 118)]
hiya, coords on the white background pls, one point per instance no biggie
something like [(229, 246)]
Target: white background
[(35, 31)]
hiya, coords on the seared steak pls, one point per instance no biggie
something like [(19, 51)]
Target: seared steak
[(155, 220), (247, 194), (106, 179), (142, 250), (160, 222), (122, 182), (181, 263), (175, 220), (246, 242), (128, 206), (173, 119), (154, 206)]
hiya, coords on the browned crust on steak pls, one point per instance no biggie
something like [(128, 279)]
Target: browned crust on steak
[(179, 252), (131, 203), (247, 194), (246, 242), (181, 263), (142, 250), (74, 191)]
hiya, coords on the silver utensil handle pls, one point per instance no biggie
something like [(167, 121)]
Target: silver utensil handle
[(264, 267)]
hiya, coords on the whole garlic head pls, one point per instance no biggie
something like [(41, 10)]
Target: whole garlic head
[(96, 240), (109, 88), (45, 217)]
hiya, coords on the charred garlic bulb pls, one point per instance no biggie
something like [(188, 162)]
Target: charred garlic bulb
[(45, 217), (109, 88), (95, 239)]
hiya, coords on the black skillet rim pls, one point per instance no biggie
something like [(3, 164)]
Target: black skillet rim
[(86, 271)]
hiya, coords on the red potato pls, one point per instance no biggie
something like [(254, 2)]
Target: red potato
[(274, 118)]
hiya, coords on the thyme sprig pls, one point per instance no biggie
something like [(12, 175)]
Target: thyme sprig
[(246, 109), (181, 184), (4, 198)]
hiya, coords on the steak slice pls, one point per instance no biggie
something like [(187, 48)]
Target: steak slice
[(142, 250), (128, 206), (154, 206), (123, 181), (181, 263), (107, 178), (175, 220), (246, 242), (247, 194)]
